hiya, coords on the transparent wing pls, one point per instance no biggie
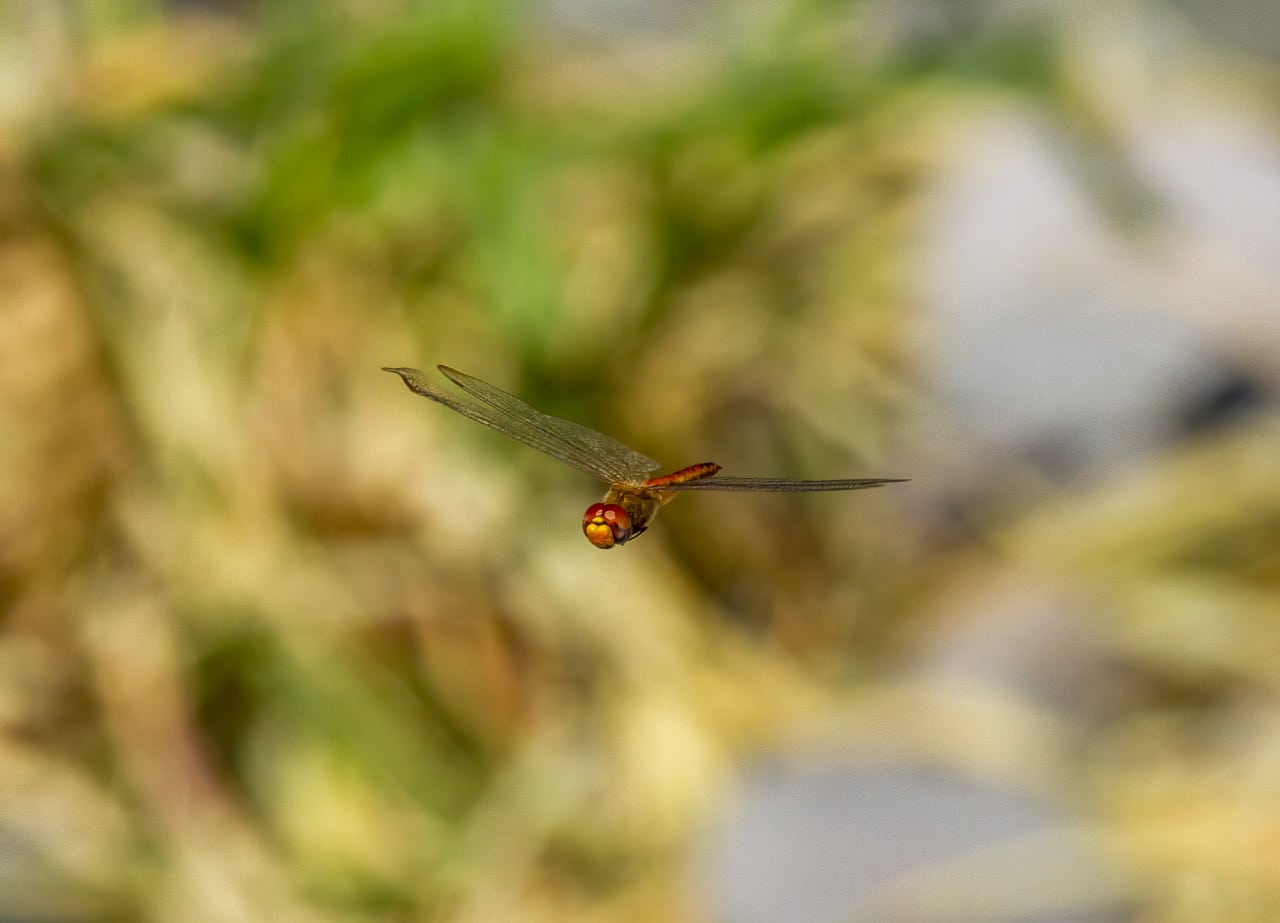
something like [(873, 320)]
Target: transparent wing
[(780, 484), (590, 452)]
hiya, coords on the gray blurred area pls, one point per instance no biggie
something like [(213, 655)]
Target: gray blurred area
[(1089, 303), (838, 842)]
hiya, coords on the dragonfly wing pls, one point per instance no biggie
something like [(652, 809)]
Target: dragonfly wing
[(779, 485), (584, 449)]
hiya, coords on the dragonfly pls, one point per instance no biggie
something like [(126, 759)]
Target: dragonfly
[(634, 498)]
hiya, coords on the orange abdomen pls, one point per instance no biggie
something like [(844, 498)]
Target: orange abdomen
[(684, 475)]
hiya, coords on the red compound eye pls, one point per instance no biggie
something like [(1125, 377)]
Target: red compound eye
[(606, 525)]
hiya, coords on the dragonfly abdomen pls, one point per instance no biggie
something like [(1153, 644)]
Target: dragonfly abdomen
[(684, 475)]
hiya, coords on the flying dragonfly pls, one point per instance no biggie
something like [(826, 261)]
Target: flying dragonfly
[(634, 497)]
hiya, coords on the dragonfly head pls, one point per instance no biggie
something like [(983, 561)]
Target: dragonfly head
[(606, 525)]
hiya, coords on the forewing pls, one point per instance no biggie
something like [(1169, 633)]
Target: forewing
[(781, 485), (590, 452)]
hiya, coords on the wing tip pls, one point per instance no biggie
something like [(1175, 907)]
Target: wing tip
[(413, 379)]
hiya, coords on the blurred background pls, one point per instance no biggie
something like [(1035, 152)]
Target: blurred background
[(280, 640)]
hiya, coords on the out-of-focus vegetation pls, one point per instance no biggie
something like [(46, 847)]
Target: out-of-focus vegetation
[(281, 641)]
